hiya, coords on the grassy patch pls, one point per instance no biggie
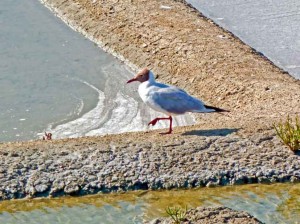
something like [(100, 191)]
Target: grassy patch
[(289, 133), (177, 214)]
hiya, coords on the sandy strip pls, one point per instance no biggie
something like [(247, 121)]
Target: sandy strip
[(188, 50)]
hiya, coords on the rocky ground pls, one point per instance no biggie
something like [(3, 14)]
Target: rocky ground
[(190, 158), (183, 48), (212, 215)]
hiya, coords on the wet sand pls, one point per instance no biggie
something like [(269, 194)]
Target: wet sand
[(183, 48)]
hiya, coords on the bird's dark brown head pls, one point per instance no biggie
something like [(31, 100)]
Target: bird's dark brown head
[(142, 76)]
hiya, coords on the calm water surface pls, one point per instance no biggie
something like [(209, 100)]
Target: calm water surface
[(278, 203), (271, 27), (53, 79)]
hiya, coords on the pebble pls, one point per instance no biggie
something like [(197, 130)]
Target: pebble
[(71, 188), (41, 188)]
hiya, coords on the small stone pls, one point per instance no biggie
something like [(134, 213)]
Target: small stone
[(58, 185), (71, 189), (222, 36), (30, 190), (295, 179), (165, 7), (114, 179), (192, 80), (174, 80), (211, 184), (258, 174), (41, 188)]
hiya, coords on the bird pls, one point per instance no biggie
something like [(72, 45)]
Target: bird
[(168, 99)]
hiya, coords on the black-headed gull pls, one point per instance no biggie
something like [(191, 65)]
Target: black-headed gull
[(169, 100)]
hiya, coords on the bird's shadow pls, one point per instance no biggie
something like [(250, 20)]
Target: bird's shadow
[(212, 132)]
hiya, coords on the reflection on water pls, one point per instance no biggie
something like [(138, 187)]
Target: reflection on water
[(278, 203)]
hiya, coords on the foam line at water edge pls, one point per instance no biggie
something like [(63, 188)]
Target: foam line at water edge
[(84, 124)]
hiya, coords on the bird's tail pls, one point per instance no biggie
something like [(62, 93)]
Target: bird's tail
[(216, 109)]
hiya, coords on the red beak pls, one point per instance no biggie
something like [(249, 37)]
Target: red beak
[(131, 80)]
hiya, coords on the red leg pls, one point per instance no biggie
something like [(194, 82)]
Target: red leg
[(153, 122), (170, 128)]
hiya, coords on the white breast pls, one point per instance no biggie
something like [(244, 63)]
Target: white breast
[(144, 91)]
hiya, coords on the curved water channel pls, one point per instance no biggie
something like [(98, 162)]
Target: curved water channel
[(277, 203), (54, 79)]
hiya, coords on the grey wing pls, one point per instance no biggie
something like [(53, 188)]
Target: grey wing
[(176, 101)]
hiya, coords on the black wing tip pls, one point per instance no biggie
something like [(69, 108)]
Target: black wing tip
[(216, 109)]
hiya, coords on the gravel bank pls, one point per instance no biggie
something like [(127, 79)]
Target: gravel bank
[(188, 50), (212, 215), (190, 158)]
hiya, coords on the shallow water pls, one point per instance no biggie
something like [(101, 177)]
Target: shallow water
[(270, 27), (54, 79), (278, 203)]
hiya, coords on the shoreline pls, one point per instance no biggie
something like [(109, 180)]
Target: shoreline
[(220, 150)]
